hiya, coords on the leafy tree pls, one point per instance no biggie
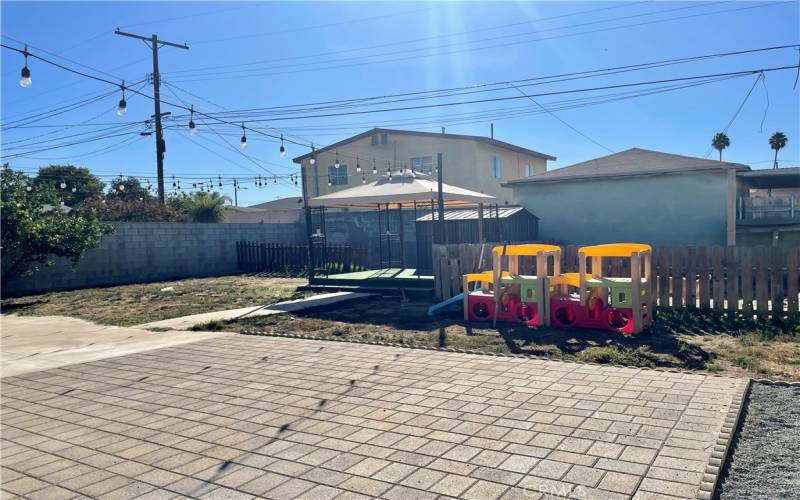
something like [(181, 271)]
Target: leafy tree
[(79, 183), (206, 207), (36, 227), (117, 209), (777, 142), (128, 188), (720, 142)]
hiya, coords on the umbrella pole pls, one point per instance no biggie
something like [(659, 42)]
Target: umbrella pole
[(380, 239), (402, 240)]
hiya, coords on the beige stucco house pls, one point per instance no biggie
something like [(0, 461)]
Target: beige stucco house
[(473, 162)]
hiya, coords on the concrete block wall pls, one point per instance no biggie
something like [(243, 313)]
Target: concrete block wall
[(149, 251)]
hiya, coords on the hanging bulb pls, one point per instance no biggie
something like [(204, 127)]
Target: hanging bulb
[(358, 165), (374, 167), (28, 189), (194, 185), (329, 183), (63, 185), (25, 76), (243, 142), (122, 107), (74, 189), (121, 187), (282, 149), (363, 179), (274, 179), (336, 164), (220, 180), (313, 158), (192, 126)]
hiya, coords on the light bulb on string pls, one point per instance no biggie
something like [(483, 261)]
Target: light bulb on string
[(25, 75), (74, 189), (313, 158), (28, 189), (282, 150), (220, 180), (274, 179), (336, 163), (192, 126), (374, 167), (329, 183), (363, 179), (63, 185), (243, 141), (358, 165), (122, 107)]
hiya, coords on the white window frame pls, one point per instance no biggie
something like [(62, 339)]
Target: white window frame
[(421, 164), (337, 176), (529, 170), (496, 167)]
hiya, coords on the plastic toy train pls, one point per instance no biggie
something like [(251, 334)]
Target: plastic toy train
[(545, 296)]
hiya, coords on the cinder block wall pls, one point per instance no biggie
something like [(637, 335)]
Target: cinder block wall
[(148, 251)]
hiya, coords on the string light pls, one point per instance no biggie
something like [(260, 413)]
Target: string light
[(220, 180), (282, 149), (28, 189), (363, 179), (275, 179), (358, 165), (313, 159), (25, 76), (122, 107), (243, 142), (336, 164), (63, 185), (192, 126), (374, 167)]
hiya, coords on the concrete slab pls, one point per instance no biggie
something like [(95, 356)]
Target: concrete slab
[(289, 418), (34, 343), (321, 300)]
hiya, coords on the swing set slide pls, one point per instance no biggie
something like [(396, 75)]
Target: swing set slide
[(436, 308)]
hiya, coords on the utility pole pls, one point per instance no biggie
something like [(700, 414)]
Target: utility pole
[(155, 44)]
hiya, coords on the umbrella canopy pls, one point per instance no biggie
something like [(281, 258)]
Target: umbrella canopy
[(404, 187)]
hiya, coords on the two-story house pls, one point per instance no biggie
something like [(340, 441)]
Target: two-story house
[(473, 162)]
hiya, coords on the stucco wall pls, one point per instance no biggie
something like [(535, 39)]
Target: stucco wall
[(466, 163), (659, 210), (142, 252)]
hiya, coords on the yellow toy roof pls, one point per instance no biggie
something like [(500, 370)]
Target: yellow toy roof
[(615, 249), (572, 279), (529, 249)]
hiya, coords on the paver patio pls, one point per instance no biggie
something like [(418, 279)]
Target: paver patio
[(243, 417)]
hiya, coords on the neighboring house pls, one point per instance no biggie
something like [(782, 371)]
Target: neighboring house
[(636, 195), (768, 209), (478, 163), (283, 210)]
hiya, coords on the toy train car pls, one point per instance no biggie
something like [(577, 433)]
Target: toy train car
[(585, 299)]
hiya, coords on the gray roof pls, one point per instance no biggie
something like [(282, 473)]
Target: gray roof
[(631, 162), (290, 203), (472, 214), (477, 138)]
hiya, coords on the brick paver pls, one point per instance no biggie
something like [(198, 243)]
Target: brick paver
[(239, 417)]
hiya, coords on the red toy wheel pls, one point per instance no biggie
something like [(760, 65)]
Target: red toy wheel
[(565, 316), (480, 310), (525, 313), (617, 319)]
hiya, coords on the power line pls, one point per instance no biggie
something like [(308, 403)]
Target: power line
[(738, 110)]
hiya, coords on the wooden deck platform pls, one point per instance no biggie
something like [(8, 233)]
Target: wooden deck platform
[(392, 278)]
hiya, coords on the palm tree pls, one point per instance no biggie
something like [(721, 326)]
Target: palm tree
[(777, 142), (207, 207), (720, 142)]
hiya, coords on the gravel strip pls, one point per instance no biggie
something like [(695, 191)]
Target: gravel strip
[(765, 457)]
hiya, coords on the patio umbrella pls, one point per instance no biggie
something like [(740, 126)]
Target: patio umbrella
[(400, 188)]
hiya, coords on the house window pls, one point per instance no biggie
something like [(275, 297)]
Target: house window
[(496, 167), (380, 139), (337, 176), (422, 164), (384, 138), (375, 139), (529, 171)]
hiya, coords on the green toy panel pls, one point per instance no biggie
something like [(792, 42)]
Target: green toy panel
[(528, 286)]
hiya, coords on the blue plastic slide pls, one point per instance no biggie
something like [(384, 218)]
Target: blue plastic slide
[(434, 309)]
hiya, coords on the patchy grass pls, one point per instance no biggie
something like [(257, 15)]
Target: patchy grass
[(681, 340), (135, 304)]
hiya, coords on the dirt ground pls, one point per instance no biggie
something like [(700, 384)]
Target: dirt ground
[(135, 304), (708, 343)]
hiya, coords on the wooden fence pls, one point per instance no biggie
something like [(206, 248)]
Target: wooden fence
[(746, 279), (273, 257)]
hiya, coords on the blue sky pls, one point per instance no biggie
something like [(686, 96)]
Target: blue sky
[(283, 53)]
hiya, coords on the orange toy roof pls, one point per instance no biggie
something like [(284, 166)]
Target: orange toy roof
[(615, 249), (527, 249)]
